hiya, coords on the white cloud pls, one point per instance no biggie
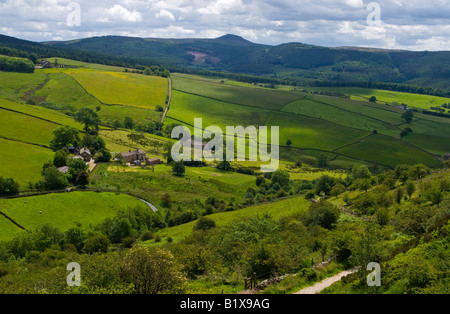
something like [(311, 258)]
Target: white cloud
[(164, 14), (119, 13)]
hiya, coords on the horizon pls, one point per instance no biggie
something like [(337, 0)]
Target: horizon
[(400, 25), (215, 38)]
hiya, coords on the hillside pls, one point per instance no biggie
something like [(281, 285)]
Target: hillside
[(292, 60)]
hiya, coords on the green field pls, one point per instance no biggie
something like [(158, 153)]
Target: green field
[(276, 210), (126, 89), (412, 100), (265, 99), (23, 162), (388, 151), (63, 211), (187, 107)]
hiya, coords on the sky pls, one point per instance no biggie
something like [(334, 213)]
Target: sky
[(391, 24)]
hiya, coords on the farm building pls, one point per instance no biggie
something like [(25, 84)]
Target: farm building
[(64, 170), (447, 156), (86, 154), (139, 158)]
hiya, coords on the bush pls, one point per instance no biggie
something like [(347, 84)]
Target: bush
[(8, 187), (97, 243), (204, 223)]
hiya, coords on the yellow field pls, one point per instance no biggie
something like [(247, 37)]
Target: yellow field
[(121, 88)]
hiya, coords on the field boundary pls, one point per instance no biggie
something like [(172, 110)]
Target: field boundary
[(12, 220), (30, 115), (27, 143)]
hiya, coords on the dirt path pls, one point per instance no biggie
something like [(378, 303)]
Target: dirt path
[(320, 286)]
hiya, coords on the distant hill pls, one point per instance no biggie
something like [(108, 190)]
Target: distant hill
[(234, 54)]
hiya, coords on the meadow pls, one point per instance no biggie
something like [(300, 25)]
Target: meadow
[(23, 162), (412, 100), (63, 211), (125, 89), (253, 97)]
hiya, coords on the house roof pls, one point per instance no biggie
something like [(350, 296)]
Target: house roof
[(136, 152), (64, 170), (85, 150)]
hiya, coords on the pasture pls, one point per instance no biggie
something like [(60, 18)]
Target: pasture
[(63, 211), (125, 89)]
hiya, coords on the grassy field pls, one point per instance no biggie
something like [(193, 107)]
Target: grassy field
[(15, 86), (23, 162), (126, 89), (412, 100), (187, 107), (388, 151), (277, 209), (343, 117), (265, 99), (63, 211), (197, 183)]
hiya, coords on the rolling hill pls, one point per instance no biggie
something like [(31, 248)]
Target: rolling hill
[(234, 54)]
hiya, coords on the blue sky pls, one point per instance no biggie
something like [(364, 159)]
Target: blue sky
[(403, 24)]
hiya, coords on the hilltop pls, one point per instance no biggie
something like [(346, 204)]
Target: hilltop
[(235, 54)]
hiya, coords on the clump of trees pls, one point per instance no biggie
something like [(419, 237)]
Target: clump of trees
[(12, 64)]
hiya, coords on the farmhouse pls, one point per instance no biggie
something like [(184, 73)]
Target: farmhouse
[(139, 158), (86, 154), (447, 156)]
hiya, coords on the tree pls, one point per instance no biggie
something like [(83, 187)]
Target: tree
[(153, 271), (410, 188), (325, 184), (373, 99), (103, 155), (361, 172), (65, 136), (408, 116), (96, 243), (322, 161), (204, 223), (76, 166), (179, 168), (322, 214), (128, 123), (82, 178), (89, 118), (121, 228), (281, 177), (289, 143), (54, 179), (60, 159), (8, 187)]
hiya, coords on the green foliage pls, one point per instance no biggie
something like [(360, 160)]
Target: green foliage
[(54, 179), (179, 168), (8, 187), (60, 159), (204, 223), (10, 64), (65, 136), (323, 214)]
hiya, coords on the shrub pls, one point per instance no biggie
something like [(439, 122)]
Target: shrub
[(204, 223)]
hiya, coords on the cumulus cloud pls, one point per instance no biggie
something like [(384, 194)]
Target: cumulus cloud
[(405, 24)]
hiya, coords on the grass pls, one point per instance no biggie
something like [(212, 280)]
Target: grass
[(186, 108), (276, 209), (434, 144), (388, 151), (23, 162), (264, 99), (196, 185), (15, 85), (42, 113), (336, 115), (65, 211), (126, 89), (25, 128), (308, 132), (412, 100)]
